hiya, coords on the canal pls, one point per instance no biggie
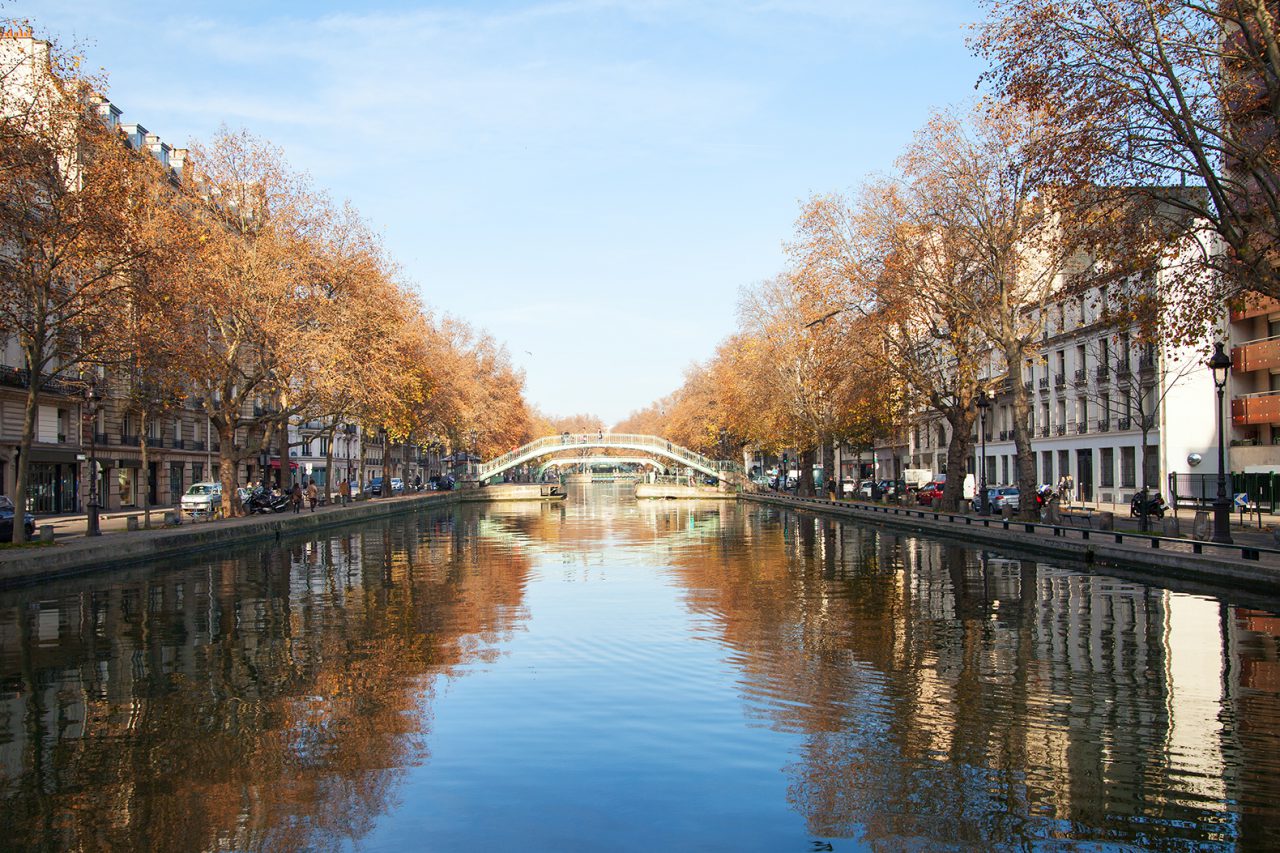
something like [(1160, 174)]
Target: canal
[(633, 676)]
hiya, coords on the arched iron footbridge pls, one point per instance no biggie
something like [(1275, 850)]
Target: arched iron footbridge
[(596, 460), (651, 445)]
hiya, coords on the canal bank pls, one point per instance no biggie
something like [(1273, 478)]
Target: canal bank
[(116, 550), (1247, 565)]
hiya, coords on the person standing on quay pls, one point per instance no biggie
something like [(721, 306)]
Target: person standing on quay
[(295, 497), (313, 494), (344, 491)]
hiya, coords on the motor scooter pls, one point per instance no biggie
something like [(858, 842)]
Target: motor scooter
[(1155, 505), (265, 503)]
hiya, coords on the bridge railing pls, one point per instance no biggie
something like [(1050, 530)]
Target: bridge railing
[(623, 440)]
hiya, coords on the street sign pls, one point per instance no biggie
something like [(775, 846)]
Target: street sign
[(1241, 500)]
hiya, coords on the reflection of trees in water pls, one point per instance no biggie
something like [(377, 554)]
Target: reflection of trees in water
[(269, 702), (947, 695)]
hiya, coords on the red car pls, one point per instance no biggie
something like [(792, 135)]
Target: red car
[(930, 492)]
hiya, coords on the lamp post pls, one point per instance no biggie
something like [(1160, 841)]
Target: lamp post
[(91, 400), (1220, 364), (984, 403), (264, 460)]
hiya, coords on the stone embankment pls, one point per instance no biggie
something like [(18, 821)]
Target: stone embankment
[(671, 490), (116, 550), (1249, 565)]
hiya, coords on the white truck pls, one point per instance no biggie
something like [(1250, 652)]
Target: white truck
[(916, 477)]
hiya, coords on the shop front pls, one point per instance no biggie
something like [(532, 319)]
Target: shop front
[(53, 481)]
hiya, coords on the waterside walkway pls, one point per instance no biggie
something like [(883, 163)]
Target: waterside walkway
[(74, 553), (1253, 562)]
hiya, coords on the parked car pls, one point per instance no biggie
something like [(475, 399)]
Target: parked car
[(892, 488), (397, 486), (999, 497), (930, 492), (1006, 496), (7, 512), (375, 487), (203, 500)]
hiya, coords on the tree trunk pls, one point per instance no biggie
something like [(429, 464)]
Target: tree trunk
[(145, 475), (227, 462), (1025, 458), (328, 463), (958, 451), (386, 466), (804, 485), (23, 467)]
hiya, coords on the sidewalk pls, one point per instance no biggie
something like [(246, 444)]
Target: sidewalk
[(1244, 565), (73, 552), (73, 525)]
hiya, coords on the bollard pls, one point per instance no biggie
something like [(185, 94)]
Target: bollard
[(1171, 526), (46, 533), (1201, 526), (1106, 521), (131, 523)]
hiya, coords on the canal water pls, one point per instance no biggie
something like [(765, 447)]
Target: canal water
[(607, 674)]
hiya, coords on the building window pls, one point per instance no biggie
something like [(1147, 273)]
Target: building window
[(1128, 468), (1046, 466), (1107, 467)]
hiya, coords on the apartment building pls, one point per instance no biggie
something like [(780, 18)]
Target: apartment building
[(1106, 411), (1254, 386)]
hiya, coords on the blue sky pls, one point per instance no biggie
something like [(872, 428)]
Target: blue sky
[(592, 181)]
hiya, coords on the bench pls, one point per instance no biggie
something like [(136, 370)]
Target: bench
[(1076, 518)]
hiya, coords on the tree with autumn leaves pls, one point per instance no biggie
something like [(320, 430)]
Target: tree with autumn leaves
[(229, 283), (1149, 95)]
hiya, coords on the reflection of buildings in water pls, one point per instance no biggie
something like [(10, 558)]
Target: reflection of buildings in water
[(928, 674), (259, 702)]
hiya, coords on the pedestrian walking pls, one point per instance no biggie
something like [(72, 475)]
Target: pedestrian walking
[(313, 494), (344, 491), (295, 497)]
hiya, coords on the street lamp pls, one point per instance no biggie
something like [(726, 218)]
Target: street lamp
[(91, 400), (1220, 364), (984, 403), (264, 461)]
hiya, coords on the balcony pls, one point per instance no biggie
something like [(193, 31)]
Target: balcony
[(154, 441), (1102, 372), (1253, 409), (1104, 425), (1147, 361), (128, 440), (1123, 423), (1261, 354), (16, 377), (1059, 380), (1044, 432), (1082, 427), (1122, 371), (1027, 385), (1006, 434), (1082, 376), (195, 444), (1061, 429), (1255, 306), (102, 438), (1044, 383)]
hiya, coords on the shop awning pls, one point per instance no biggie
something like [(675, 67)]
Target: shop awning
[(46, 454), (275, 463)]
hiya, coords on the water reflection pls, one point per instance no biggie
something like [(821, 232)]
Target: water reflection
[(915, 692)]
